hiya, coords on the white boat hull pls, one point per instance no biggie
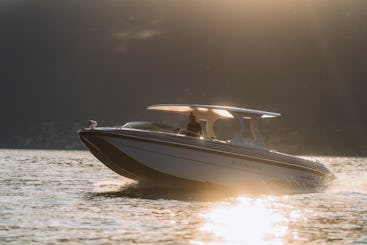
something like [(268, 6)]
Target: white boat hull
[(154, 160)]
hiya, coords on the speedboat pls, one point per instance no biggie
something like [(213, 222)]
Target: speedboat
[(159, 154)]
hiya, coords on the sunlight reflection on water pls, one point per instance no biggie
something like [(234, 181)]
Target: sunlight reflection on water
[(247, 221), (70, 197)]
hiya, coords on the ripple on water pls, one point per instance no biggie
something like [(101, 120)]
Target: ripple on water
[(70, 197)]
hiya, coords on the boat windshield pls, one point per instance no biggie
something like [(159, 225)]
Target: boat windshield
[(151, 126)]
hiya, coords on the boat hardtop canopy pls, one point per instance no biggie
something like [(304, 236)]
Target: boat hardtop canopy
[(204, 112), (211, 113)]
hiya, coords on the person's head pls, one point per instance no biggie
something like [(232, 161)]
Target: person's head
[(192, 117)]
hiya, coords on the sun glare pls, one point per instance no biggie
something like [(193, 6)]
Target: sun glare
[(222, 113), (247, 221), (170, 108), (202, 109)]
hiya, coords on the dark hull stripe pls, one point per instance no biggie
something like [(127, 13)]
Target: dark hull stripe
[(192, 147)]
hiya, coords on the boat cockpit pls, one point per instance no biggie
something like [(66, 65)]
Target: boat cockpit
[(208, 115)]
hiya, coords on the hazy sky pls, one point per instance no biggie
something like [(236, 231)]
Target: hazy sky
[(72, 60)]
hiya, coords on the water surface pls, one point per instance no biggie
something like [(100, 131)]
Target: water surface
[(70, 197)]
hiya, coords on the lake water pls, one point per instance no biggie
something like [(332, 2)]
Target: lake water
[(70, 197)]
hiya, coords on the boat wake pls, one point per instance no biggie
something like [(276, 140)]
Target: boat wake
[(117, 188), (132, 189), (346, 183)]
